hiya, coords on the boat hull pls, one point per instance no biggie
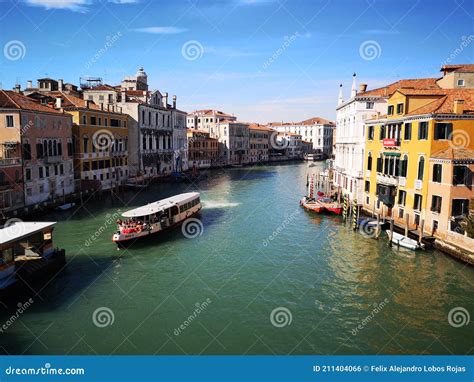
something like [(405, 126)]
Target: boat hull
[(405, 242), (124, 238)]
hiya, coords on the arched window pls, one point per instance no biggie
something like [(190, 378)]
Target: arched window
[(421, 168), (55, 148), (45, 148)]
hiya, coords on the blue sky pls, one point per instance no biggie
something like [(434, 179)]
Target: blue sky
[(263, 60)]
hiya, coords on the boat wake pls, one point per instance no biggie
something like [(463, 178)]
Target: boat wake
[(213, 204)]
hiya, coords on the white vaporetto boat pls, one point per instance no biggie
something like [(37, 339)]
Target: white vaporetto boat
[(156, 217)]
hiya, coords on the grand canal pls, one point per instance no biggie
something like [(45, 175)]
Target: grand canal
[(264, 277)]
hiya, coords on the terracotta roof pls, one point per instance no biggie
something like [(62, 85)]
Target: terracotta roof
[(316, 121), (458, 68), (102, 87), (136, 92), (460, 153), (212, 112), (445, 103), (12, 100), (386, 91), (197, 131), (289, 134), (257, 126), (70, 101)]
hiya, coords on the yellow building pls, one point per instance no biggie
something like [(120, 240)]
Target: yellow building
[(397, 167), (100, 137)]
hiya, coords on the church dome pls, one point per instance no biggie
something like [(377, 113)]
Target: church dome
[(141, 73)]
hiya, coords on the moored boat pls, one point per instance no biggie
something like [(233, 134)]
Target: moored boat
[(404, 241), (328, 204), (156, 217)]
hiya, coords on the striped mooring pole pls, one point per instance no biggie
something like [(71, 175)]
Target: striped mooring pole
[(354, 214), (344, 208)]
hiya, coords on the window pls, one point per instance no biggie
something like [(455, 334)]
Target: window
[(443, 130), (437, 172), (40, 174), (402, 197), (85, 142), (400, 213), (84, 120), (382, 132), (400, 108), (421, 168), (9, 120), (460, 82), (435, 225), (379, 164), (462, 175), (436, 203), (423, 130), (93, 121), (417, 219), (403, 166), (28, 174), (369, 162), (417, 202), (367, 186), (390, 110), (26, 151), (460, 207), (369, 105), (407, 132)]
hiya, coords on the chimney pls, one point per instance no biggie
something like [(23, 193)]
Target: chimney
[(88, 103), (174, 102), (60, 85), (59, 101), (124, 95), (165, 100), (362, 88), (353, 88), (17, 88), (29, 84), (459, 106)]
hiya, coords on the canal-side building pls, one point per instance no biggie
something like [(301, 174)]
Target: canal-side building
[(157, 129), (291, 144), (203, 151), (318, 131), (450, 194), (259, 141), (37, 158), (351, 115), (207, 120), (234, 142), (419, 125), (100, 136)]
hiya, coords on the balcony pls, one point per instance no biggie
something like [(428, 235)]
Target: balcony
[(4, 162), (387, 180), (391, 142), (418, 184), (402, 181), (53, 159)]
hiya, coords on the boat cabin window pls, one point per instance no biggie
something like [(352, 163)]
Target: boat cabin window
[(7, 256), (174, 210)]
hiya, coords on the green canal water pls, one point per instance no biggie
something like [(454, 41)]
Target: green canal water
[(264, 277)]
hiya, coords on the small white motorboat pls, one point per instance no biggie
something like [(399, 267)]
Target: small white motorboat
[(404, 241), (65, 207)]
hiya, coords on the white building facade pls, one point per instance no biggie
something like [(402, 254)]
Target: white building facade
[(350, 136)]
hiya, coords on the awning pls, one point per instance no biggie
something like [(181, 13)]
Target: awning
[(391, 154)]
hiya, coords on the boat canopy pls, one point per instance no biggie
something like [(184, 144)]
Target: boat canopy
[(20, 230), (160, 205)]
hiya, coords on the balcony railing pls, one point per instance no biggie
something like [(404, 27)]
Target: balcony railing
[(10, 161), (418, 184), (53, 159), (388, 180)]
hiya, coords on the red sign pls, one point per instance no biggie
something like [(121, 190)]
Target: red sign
[(390, 142)]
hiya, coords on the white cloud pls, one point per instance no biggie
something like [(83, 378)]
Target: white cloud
[(160, 30), (72, 5)]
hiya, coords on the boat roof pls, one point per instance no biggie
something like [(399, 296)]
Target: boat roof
[(160, 205), (19, 230)]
